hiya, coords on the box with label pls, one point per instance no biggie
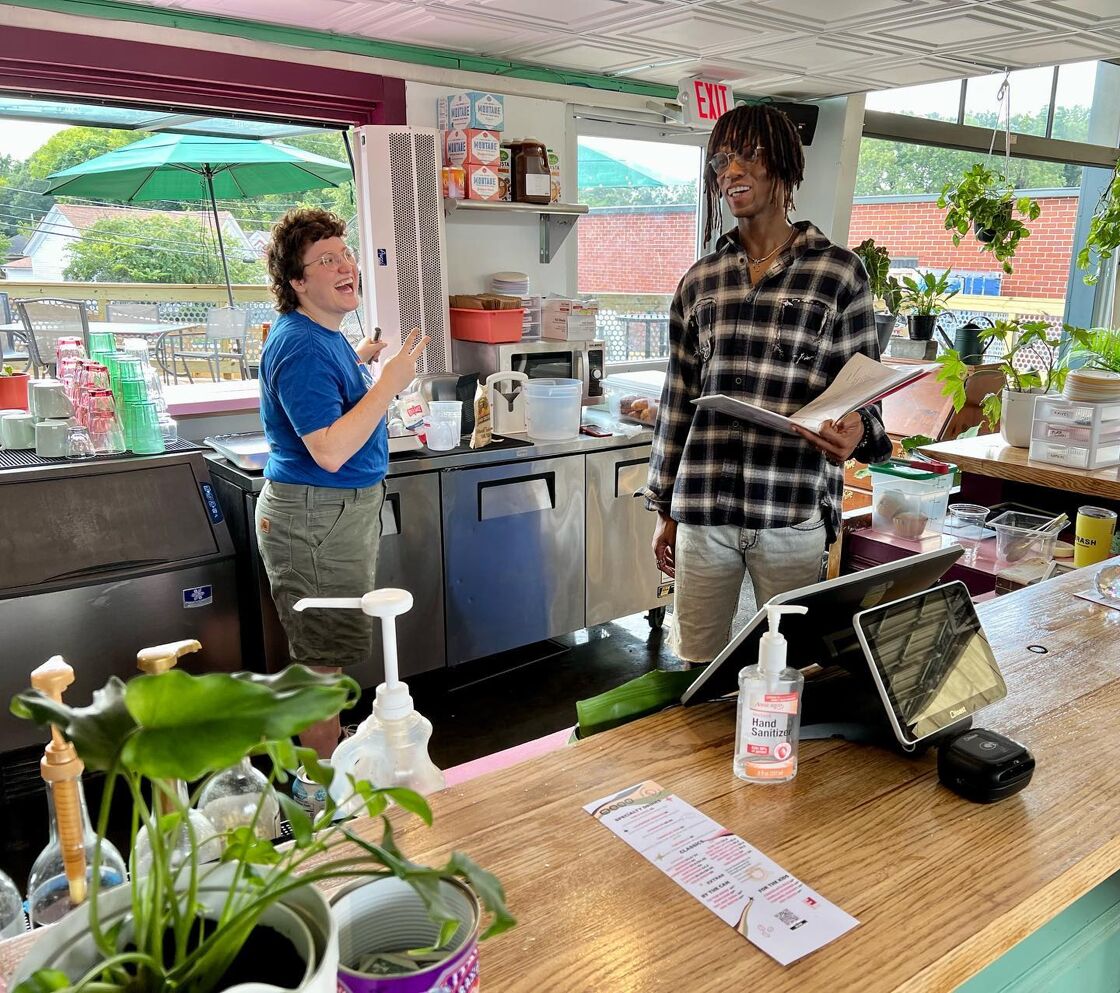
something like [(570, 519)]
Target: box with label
[(505, 189), (569, 320), (472, 109), (471, 146), (554, 171), (482, 182), (441, 114)]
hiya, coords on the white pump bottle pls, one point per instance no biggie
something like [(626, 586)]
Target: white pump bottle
[(390, 747), (769, 714)]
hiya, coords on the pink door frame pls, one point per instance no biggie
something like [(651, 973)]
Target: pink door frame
[(129, 72)]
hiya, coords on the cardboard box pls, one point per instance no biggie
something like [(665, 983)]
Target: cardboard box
[(471, 146), (482, 182), (569, 320), (554, 170), (471, 109), (505, 179)]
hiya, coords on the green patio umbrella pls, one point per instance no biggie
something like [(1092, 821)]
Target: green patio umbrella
[(198, 167)]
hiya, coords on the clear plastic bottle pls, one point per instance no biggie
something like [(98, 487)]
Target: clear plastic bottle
[(206, 837), (231, 798), (12, 921), (769, 713)]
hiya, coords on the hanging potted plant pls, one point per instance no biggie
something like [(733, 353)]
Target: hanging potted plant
[(1012, 410), (13, 389), (885, 288), (186, 927), (1104, 232), (985, 201), (925, 298)]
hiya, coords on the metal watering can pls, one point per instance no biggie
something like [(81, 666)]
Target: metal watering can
[(966, 341)]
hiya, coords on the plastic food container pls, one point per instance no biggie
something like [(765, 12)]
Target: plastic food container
[(908, 503), (1017, 539), (1075, 433), (634, 396), (494, 327), (553, 408)]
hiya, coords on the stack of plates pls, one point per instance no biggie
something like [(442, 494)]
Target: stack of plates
[(1092, 386), (514, 284)]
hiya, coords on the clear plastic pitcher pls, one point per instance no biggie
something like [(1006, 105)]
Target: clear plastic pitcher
[(553, 408), (443, 426)]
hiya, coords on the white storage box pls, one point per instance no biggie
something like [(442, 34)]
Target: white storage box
[(634, 396), (1076, 433), (569, 320), (908, 503)]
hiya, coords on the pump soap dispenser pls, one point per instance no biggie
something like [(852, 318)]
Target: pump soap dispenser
[(769, 713), (390, 747), (60, 878), (153, 661)]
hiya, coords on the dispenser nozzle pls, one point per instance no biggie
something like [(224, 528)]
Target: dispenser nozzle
[(774, 613), (52, 677), (160, 658)]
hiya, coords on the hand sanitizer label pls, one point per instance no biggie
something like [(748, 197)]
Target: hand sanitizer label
[(765, 749), (776, 703)]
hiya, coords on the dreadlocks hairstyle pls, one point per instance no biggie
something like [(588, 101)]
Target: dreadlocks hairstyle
[(746, 127)]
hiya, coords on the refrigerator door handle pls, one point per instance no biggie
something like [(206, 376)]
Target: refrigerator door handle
[(508, 497)]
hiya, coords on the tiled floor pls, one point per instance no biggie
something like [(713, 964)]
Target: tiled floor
[(475, 709)]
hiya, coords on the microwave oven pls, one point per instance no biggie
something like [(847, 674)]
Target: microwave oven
[(538, 359)]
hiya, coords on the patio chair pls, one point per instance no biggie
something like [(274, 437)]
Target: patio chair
[(13, 344), (225, 340), (139, 313), (47, 319)]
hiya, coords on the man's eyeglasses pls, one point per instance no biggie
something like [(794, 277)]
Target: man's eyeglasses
[(332, 260), (721, 161)]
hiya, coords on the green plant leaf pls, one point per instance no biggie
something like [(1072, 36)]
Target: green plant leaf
[(297, 817), (992, 408), (243, 845), (411, 801), (313, 769), (44, 981), (489, 891), (971, 432), (916, 441)]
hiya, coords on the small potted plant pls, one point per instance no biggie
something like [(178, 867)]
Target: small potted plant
[(1095, 348), (13, 389), (1103, 238), (187, 927), (925, 298), (885, 288), (985, 201), (1012, 410)]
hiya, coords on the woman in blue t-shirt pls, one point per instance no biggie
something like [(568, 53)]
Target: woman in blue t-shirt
[(319, 514)]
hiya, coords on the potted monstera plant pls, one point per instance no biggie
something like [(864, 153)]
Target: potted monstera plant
[(925, 298), (885, 288), (1012, 410), (984, 200), (187, 927)]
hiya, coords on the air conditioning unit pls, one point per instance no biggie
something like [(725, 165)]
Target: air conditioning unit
[(403, 249)]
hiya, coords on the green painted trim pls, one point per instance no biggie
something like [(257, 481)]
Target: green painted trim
[(113, 10)]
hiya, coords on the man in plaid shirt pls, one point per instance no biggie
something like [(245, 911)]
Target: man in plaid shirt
[(769, 317)]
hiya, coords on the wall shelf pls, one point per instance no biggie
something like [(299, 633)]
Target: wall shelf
[(556, 219)]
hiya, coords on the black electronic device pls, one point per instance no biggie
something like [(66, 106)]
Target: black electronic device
[(984, 766), (930, 661), (804, 117)]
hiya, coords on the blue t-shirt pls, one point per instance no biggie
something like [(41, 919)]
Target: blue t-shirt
[(310, 376)]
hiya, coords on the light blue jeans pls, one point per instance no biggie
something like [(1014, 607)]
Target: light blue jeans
[(713, 561)]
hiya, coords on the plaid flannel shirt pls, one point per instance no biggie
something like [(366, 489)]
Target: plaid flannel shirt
[(777, 344)]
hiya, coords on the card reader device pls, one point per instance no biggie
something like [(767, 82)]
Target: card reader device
[(983, 766)]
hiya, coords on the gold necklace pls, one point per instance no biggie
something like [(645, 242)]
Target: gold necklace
[(773, 252)]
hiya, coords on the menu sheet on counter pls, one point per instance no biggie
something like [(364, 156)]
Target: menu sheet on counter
[(769, 907)]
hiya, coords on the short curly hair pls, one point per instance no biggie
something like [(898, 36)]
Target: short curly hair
[(298, 228)]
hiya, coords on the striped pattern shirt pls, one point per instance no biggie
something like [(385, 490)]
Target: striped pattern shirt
[(778, 344)]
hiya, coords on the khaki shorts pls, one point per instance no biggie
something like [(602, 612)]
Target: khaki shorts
[(316, 541)]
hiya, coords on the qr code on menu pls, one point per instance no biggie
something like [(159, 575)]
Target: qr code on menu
[(789, 919)]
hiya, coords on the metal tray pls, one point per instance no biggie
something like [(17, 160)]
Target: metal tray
[(246, 451)]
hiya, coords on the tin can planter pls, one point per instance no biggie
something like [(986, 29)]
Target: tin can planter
[(378, 921), (302, 917)]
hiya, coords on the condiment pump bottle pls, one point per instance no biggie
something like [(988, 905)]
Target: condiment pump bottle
[(769, 713), (60, 878), (390, 747), (152, 661)]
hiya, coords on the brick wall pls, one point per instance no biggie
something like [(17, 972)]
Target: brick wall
[(648, 249), (915, 229)]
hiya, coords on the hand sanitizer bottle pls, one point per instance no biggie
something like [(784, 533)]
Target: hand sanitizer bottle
[(769, 715)]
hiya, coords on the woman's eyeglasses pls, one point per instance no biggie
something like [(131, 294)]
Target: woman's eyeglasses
[(721, 161), (332, 260)]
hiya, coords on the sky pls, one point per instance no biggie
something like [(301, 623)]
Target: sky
[(20, 138)]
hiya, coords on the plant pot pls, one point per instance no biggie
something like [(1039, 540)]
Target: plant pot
[(986, 235), (302, 916), (387, 914), (1017, 417), (884, 327), (13, 391), (921, 326)]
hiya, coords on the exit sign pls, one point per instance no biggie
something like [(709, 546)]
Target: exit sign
[(704, 100)]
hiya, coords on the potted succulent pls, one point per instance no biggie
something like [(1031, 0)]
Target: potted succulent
[(885, 288), (1104, 232), (1013, 408), (13, 389), (925, 298), (985, 201), (190, 927)]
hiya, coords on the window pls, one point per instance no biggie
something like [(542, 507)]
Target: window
[(639, 237)]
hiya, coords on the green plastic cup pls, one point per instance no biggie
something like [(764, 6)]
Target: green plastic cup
[(133, 390), (102, 341), (142, 432)]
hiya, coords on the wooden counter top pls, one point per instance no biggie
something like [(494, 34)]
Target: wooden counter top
[(989, 455), (941, 887)]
